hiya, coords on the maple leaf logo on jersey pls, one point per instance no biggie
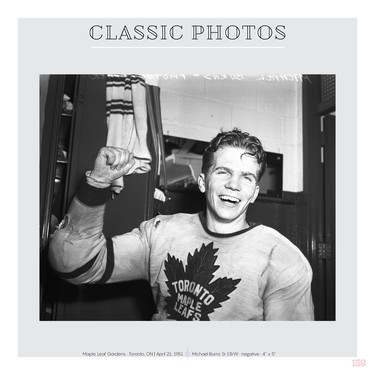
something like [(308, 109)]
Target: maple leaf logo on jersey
[(192, 295)]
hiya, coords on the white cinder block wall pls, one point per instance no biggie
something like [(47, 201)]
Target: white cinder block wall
[(269, 107)]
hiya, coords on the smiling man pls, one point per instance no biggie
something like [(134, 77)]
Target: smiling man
[(208, 266), (230, 175)]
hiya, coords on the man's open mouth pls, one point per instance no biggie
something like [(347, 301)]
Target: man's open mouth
[(229, 199)]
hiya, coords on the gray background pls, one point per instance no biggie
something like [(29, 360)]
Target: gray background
[(316, 46)]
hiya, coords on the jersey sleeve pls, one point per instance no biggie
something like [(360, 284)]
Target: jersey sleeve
[(80, 253), (288, 277)]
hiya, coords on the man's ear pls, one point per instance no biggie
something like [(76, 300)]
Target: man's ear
[(201, 183), (255, 195)]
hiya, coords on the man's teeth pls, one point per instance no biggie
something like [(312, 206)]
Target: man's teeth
[(228, 198)]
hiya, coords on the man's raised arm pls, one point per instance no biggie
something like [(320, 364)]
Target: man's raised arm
[(78, 250)]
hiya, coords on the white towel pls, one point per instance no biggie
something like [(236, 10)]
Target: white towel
[(127, 120)]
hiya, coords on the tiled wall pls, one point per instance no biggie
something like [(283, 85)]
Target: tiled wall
[(268, 107)]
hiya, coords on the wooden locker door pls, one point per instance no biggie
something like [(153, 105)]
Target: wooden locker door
[(58, 117), (329, 215), (120, 301), (319, 193)]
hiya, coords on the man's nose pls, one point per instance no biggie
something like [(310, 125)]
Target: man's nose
[(233, 183)]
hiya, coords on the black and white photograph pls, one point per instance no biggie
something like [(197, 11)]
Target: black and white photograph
[(188, 192), (187, 197)]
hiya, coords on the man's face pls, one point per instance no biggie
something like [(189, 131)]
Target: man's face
[(230, 185)]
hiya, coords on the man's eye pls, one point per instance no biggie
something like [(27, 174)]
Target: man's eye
[(250, 178)]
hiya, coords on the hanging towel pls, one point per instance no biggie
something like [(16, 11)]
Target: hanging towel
[(127, 120)]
